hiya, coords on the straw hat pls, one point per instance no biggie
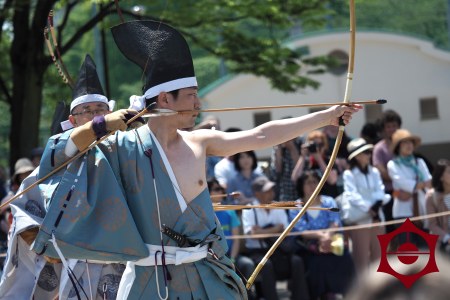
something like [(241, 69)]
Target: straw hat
[(357, 146), (23, 165), (401, 135)]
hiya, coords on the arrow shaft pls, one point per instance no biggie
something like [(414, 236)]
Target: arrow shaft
[(282, 106)]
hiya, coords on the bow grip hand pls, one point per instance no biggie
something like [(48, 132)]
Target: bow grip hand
[(138, 122), (342, 114), (118, 120)]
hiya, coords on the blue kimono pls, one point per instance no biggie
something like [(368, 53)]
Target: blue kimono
[(105, 208), (27, 275)]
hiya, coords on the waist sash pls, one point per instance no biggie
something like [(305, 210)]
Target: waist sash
[(173, 256)]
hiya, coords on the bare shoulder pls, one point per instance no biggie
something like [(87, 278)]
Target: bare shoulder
[(221, 143), (197, 140), (203, 137), (199, 136)]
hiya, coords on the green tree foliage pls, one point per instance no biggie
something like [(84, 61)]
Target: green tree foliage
[(23, 72), (427, 19), (243, 36), (214, 27)]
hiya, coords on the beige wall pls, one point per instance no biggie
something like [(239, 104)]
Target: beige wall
[(397, 68)]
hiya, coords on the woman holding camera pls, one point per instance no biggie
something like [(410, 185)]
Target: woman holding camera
[(313, 157)]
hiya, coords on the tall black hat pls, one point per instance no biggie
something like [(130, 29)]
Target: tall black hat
[(88, 87), (162, 53)]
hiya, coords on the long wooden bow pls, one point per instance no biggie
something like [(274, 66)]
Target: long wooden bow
[(348, 89)]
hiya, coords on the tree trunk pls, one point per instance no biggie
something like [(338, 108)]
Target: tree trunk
[(25, 112), (28, 68)]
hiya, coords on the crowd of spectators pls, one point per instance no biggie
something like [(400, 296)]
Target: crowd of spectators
[(377, 177)]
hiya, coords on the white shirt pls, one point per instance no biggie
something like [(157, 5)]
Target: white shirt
[(224, 171), (363, 190), (265, 217), (404, 178)]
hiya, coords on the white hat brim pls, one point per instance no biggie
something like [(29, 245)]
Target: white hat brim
[(360, 150)]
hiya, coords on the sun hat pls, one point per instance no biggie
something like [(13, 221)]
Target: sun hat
[(23, 165), (401, 135), (357, 146)]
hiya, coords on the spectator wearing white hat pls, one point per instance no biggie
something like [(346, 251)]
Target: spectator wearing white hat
[(22, 169), (364, 191)]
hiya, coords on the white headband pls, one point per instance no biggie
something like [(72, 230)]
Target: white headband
[(87, 99), (138, 102), (66, 125)]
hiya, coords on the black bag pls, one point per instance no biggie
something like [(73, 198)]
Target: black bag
[(307, 246), (281, 264), (287, 246), (281, 258)]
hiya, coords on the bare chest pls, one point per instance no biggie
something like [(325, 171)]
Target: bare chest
[(188, 166)]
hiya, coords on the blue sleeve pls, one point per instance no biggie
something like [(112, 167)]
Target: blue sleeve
[(54, 154), (235, 222), (231, 187), (302, 224), (88, 210), (333, 217)]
